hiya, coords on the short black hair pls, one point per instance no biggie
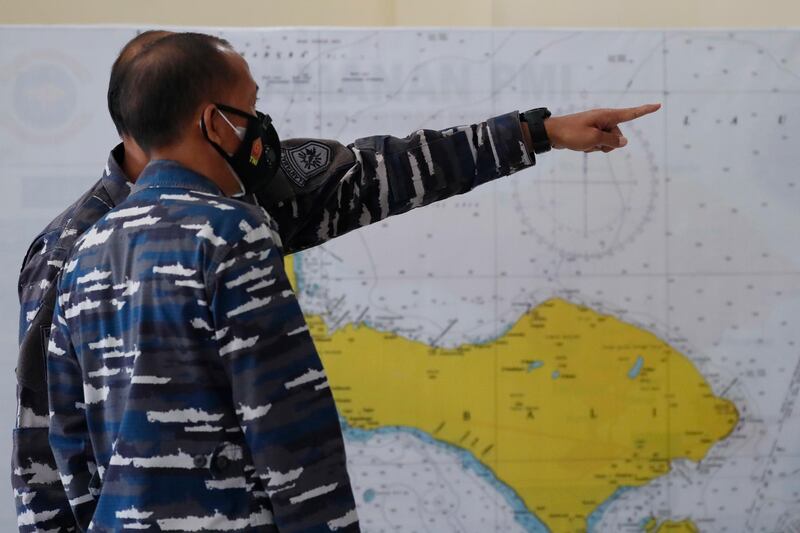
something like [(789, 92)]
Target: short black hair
[(128, 52), (168, 80)]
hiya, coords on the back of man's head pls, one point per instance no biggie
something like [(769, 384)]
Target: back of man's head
[(167, 82), (131, 49)]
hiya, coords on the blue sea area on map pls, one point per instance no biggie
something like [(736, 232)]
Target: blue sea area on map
[(529, 522)]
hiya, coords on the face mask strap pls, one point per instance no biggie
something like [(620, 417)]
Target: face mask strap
[(217, 147), (235, 111), (240, 130)]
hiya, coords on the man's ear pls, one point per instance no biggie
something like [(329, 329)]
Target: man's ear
[(210, 119)]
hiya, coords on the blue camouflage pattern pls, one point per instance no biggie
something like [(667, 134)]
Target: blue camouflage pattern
[(185, 390), (41, 502), (362, 183)]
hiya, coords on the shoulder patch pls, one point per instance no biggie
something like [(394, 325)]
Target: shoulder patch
[(305, 161)]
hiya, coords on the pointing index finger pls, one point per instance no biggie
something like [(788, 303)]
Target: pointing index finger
[(619, 116)]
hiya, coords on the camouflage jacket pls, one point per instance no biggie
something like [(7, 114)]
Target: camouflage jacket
[(342, 188)]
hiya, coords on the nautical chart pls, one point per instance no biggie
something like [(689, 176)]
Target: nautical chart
[(601, 343)]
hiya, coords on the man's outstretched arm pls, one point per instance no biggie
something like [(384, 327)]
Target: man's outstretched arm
[(329, 189), (381, 176)]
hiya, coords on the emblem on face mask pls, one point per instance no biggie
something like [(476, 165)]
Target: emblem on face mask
[(256, 151), (305, 161)]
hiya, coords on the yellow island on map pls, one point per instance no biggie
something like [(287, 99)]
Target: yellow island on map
[(684, 526), (565, 408)]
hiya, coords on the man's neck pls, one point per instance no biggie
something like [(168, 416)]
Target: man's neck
[(134, 160), (204, 162), (132, 166)]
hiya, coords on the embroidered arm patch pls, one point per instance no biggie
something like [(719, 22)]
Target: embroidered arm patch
[(303, 162)]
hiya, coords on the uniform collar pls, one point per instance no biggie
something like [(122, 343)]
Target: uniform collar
[(167, 174), (114, 179)]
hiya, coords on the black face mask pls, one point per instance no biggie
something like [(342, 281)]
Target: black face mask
[(258, 157)]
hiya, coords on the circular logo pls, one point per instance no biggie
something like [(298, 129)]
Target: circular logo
[(44, 96)]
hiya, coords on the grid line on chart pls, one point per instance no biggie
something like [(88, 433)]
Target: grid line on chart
[(667, 236), (657, 275), (482, 94), (761, 457), (496, 282)]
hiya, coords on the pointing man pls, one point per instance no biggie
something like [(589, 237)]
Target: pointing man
[(348, 187)]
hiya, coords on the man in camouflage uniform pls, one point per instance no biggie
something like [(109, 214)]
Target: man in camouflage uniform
[(41, 502), (346, 188)]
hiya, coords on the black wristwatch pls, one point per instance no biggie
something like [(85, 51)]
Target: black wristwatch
[(535, 119)]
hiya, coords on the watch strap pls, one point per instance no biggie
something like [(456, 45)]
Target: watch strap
[(535, 119)]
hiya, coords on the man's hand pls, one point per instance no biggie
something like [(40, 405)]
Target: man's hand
[(593, 130)]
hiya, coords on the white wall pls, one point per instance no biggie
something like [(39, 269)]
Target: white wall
[(538, 13)]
